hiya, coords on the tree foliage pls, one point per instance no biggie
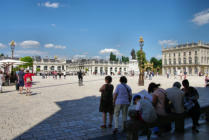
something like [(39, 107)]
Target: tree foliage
[(1, 54), (142, 61), (156, 63), (113, 57), (133, 54), (28, 60), (125, 59)]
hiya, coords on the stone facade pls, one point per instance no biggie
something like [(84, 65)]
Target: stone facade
[(49, 65), (98, 67), (191, 57), (90, 66)]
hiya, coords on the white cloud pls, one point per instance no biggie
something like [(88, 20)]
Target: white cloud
[(53, 25), (29, 44), (2, 46), (109, 50), (201, 18), (167, 42), (29, 52), (49, 4), (50, 45)]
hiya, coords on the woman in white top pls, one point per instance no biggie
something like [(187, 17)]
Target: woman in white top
[(1, 80), (146, 110)]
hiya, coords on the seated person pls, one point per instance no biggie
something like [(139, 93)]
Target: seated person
[(146, 110), (176, 96), (145, 95)]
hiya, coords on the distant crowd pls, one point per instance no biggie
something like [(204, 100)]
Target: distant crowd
[(150, 104)]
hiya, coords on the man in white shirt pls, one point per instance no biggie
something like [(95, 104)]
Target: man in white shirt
[(176, 96)]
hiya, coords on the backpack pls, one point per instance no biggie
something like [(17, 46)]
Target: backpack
[(168, 104), (28, 80)]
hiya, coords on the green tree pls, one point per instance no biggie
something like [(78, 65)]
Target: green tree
[(143, 61), (125, 59), (1, 54), (28, 60), (133, 54), (156, 63), (113, 57), (38, 69)]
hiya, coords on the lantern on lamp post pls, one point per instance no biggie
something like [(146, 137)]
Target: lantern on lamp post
[(141, 68), (12, 45)]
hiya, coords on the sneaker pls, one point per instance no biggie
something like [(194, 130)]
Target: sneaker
[(115, 131), (110, 126), (194, 129), (103, 126)]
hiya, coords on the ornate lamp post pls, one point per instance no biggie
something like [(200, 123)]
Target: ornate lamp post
[(12, 45), (141, 75)]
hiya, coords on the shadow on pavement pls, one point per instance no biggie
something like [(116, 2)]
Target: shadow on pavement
[(80, 119), (76, 119)]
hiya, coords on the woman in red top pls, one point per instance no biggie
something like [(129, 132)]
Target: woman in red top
[(28, 82)]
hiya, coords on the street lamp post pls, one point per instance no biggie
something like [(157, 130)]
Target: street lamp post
[(141, 75), (12, 45)]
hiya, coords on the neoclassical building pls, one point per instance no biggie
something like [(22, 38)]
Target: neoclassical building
[(90, 66), (191, 57), (49, 65), (93, 66)]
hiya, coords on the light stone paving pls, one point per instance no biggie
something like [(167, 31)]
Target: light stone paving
[(60, 109)]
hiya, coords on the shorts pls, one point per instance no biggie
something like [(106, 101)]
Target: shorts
[(21, 83)]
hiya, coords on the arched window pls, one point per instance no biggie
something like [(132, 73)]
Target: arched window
[(45, 68), (52, 68)]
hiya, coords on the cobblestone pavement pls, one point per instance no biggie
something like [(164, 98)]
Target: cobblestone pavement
[(60, 109)]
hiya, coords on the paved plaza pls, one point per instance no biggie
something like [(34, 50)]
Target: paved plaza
[(61, 109)]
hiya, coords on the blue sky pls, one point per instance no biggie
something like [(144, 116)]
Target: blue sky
[(93, 28)]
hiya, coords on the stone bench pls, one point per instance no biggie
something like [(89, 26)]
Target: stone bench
[(132, 126)]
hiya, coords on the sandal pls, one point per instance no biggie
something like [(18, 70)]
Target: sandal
[(103, 126), (115, 131)]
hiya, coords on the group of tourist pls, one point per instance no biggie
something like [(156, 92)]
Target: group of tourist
[(149, 104), (55, 74), (24, 79)]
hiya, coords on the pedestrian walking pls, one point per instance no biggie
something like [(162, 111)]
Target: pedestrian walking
[(121, 99), (106, 102), (80, 78), (21, 80), (64, 73), (1, 80), (28, 82)]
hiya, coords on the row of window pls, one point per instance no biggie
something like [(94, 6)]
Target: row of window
[(190, 71), (179, 61), (179, 54), (51, 68), (111, 69)]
